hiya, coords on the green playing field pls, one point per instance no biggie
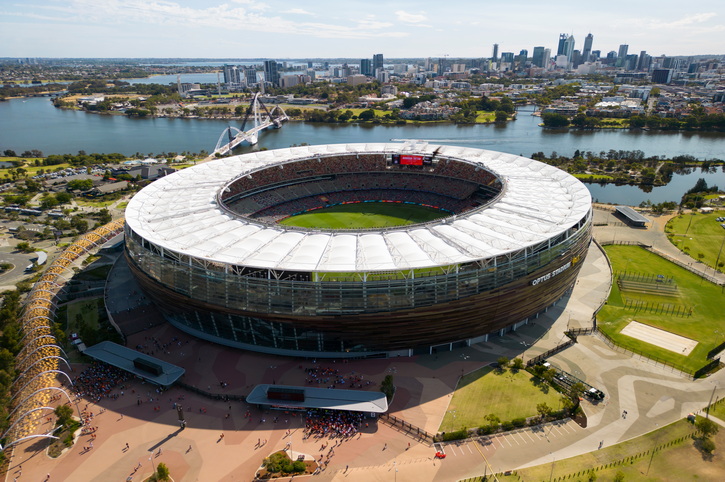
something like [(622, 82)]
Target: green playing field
[(364, 215)]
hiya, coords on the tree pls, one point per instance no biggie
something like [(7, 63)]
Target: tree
[(501, 116), (503, 362), (544, 410), (63, 197), (517, 364), (493, 420), (576, 390), (706, 427), (551, 119), (366, 115), (9, 153), (24, 247), (64, 414), (162, 471)]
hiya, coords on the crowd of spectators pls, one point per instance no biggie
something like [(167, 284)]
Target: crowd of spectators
[(332, 378), (332, 423), (353, 164), (97, 382)]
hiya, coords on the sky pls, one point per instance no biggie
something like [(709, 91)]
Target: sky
[(351, 28)]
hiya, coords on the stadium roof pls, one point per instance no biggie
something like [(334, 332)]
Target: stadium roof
[(180, 213), (324, 398), (123, 358)]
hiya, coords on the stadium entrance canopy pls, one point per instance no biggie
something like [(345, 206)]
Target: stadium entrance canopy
[(147, 367), (290, 397)]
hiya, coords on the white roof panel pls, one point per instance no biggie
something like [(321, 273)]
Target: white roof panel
[(180, 213)]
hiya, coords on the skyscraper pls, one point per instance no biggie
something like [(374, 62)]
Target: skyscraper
[(377, 63), (622, 55), (569, 47), (587, 52), (366, 67), (562, 39), (538, 57), (271, 74), (494, 57), (231, 74)]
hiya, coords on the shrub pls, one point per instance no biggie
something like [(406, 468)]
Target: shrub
[(457, 435), (507, 425), (485, 430), (298, 466), (518, 422)]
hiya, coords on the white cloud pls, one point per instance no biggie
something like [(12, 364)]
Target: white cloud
[(408, 17), (684, 21), (297, 11), (248, 16)]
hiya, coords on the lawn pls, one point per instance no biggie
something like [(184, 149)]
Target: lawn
[(704, 298), (364, 215), (699, 234), (30, 169), (508, 395), (82, 311), (676, 458), (592, 177), (485, 117)]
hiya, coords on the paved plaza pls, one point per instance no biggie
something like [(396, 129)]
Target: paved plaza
[(651, 395)]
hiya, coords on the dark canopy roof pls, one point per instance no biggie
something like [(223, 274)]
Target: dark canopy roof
[(324, 398), (124, 358)]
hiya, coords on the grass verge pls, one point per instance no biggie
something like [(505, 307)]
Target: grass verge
[(705, 299), (665, 454), (507, 394), (700, 236)]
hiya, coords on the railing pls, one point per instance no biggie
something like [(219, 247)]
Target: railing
[(410, 429)]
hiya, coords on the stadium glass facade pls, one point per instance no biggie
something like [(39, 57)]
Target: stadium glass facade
[(361, 313)]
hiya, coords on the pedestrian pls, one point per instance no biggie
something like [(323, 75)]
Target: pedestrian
[(126, 445), (385, 446), (346, 467)]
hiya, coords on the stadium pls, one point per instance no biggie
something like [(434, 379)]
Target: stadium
[(217, 248)]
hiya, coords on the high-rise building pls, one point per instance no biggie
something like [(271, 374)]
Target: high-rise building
[(538, 57), (231, 74), (562, 39), (250, 76), (507, 57), (662, 76), (566, 46), (494, 57), (271, 74), (547, 59), (377, 63), (576, 58), (644, 61), (622, 55), (587, 52), (366, 67)]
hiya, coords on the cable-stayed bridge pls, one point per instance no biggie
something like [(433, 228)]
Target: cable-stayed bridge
[(262, 118)]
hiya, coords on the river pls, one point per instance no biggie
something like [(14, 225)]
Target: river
[(34, 123)]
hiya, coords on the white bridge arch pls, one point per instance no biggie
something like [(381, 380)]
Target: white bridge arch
[(231, 137)]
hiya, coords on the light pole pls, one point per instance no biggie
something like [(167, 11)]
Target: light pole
[(153, 467), (553, 460)]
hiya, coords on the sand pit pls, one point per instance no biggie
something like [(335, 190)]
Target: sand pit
[(661, 338)]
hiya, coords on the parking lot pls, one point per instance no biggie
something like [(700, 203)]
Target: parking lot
[(487, 445)]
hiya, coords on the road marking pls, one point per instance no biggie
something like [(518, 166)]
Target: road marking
[(528, 433), (508, 441), (522, 437), (469, 448), (498, 439), (517, 442)]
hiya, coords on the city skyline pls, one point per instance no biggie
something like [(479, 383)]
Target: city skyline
[(281, 29)]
